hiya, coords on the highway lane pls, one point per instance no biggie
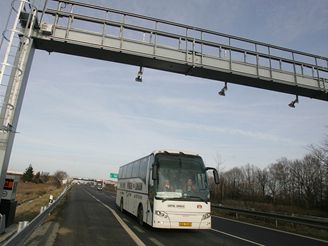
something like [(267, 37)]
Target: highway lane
[(262, 235), (224, 230), (83, 221), (153, 236), (89, 218)]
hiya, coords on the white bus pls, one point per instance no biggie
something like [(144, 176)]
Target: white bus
[(167, 189)]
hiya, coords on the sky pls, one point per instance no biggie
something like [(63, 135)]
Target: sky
[(88, 117)]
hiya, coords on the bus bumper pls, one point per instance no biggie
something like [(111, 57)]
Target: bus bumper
[(182, 223)]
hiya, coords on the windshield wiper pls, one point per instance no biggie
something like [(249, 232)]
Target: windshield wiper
[(180, 198), (203, 200), (169, 198)]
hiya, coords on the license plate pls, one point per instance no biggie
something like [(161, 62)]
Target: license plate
[(185, 223)]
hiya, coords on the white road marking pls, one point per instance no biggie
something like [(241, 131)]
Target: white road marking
[(126, 220), (155, 241), (272, 229), (125, 226), (240, 238), (138, 229)]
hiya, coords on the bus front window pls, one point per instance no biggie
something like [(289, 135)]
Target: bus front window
[(181, 177)]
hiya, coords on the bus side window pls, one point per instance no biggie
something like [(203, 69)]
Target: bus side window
[(135, 171), (151, 190), (143, 170), (151, 181), (124, 172), (120, 173), (129, 171)]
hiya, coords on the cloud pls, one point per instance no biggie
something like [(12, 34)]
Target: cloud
[(294, 19), (107, 118), (224, 130)]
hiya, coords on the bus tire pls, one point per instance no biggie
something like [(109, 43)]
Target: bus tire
[(121, 206), (140, 215)]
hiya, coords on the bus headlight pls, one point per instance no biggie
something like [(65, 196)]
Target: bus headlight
[(161, 213), (206, 216)]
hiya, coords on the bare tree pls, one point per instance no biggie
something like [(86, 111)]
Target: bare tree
[(302, 182), (273, 181), (219, 194), (321, 153), (234, 180), (59, 176), (262, 180), (44, 177), (312, 180), (250, 181)]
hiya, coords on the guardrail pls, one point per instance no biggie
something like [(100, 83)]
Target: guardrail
[(20, 236), (318, 223)]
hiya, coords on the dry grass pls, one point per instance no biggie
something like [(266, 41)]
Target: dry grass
[(32, 197), (30, 191)]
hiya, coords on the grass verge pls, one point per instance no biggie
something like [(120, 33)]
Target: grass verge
[(32, 197)]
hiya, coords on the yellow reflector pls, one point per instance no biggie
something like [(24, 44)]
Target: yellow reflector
[(185, 223)]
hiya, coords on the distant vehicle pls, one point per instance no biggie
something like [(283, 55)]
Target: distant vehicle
[(167, 189), (99, 185)]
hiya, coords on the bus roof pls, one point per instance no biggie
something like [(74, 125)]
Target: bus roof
[(165, 151), (174, 152)]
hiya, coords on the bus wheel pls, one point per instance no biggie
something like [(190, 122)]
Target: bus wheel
[(140, 215), (121, 206)]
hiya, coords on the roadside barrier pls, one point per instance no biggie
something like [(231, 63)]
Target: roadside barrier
[(320, 223), (26, 229)]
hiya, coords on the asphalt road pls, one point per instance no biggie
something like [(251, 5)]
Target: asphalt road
[(84, 221), (90, 217)]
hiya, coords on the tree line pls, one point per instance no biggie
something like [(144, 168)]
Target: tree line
[(302, 182), (43, 177)]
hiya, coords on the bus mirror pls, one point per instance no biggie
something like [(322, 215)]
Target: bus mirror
[(215, 174), (154, 173)]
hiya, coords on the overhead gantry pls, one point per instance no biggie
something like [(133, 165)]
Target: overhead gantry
[(92, 31)]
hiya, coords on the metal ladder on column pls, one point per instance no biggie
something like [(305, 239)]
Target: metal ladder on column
[(11, 43), (16, 42)]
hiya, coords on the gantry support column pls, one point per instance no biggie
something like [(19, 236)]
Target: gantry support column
[(13, 102)]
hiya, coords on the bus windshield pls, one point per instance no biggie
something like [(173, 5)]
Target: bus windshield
[(181, 177)]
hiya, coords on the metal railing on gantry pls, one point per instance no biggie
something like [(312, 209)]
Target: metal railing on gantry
[(181, 48)]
